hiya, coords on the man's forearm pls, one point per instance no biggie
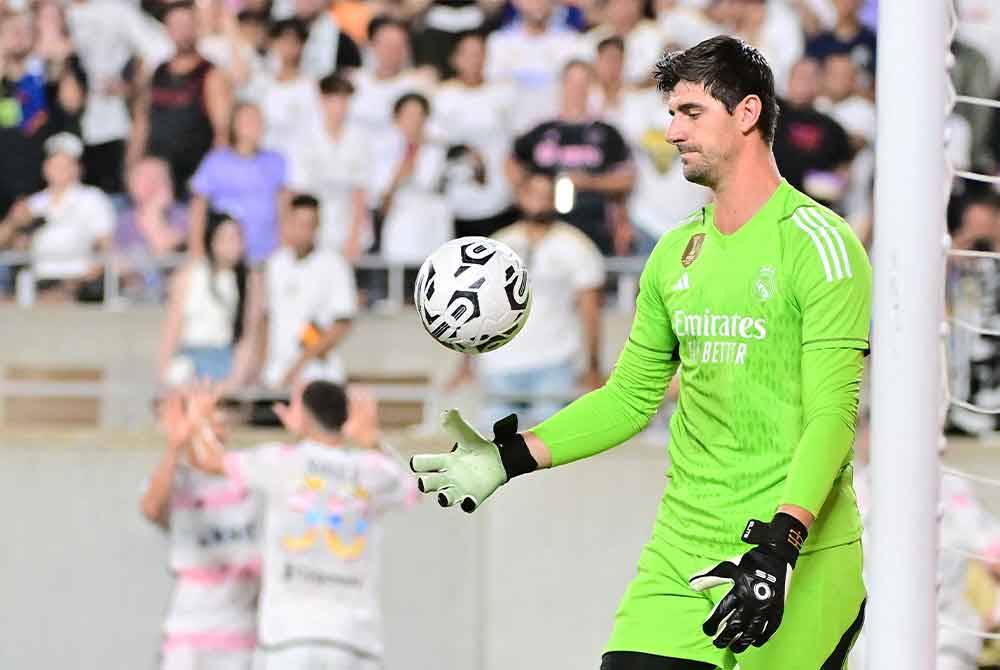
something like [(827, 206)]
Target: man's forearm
[(612, 414), (831, 381), (617, 182)]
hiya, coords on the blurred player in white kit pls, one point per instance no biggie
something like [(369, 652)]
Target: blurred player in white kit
[(212, 525), (323, 499)]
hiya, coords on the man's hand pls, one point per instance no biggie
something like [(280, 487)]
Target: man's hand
[(476, 467), (175, 422), (752, 610)]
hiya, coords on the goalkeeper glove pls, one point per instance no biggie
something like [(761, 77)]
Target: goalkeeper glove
[(476, 467), (751, 611)]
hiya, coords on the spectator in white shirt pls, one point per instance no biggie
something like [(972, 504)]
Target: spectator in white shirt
[(309, 302), (644, 41), (407, 186), (333, 163), (540, 369), (328, 48), (386, 77), (289, 99), (531, 54), (108, 36), (477, 189), (235, 45), (67, 224)]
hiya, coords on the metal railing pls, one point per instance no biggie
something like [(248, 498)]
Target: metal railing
[(625, 271)]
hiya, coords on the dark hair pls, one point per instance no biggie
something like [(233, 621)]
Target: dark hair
[(412, 96), (327, 403), (730, 70), (304, 201), (215, 222), (251, 16), (290, 25), (382, 21), (613, 42), (335, 84)]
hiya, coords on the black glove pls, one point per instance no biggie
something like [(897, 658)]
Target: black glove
[(751, 611)]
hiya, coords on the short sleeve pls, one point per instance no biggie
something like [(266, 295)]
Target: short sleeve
[(281, 170), (651, 327), (342, 295), (588, 265), (101, 219), (831, 283), (387, 483), (615, 149), (257, 468), (203, 182), (524, 147)]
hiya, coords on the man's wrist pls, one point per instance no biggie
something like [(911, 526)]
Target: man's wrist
[(514, 453), (784, 536)]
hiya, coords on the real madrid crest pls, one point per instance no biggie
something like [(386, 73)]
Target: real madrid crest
[(764, 286), (692, 249)]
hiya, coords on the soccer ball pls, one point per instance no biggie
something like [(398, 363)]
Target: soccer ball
[(472, 294)]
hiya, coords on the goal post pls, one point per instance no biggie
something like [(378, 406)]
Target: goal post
[(908, 260)]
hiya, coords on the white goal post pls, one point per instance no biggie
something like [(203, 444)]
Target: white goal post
[(908, 260)]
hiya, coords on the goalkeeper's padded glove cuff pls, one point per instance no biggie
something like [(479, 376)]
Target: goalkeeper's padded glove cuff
[(783, 537), (514, 452)]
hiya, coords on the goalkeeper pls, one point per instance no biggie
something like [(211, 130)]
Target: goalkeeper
[(762, 300)]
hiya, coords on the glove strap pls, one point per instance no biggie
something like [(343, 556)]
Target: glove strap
[(784, 536), (514, 452)]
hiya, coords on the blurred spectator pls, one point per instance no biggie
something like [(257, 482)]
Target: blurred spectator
[(213, 528), (244, 181), (476, 188), (64, 225), (683, 24), (774, 29), (387, 76), (970, 75), (662, 197), (334, 164), (812, 150), (185, 108), (289, 99), (327, 47), (589, 157), (443, 25), (643, 39), (236, 44), (849, 36), (973, 291), (530, 54), (116, 43), (41, 93), (324, 499), (564, 331), (407, 186), (856, 115), (153, 227), (309, 302), (209, 323), (978, 25)]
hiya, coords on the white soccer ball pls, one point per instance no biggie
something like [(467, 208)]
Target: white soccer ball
[(472, 294)]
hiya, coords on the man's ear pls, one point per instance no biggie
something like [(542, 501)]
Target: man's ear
[(748, 113)]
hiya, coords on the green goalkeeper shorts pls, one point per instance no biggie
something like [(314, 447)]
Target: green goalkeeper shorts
[(661, 615)]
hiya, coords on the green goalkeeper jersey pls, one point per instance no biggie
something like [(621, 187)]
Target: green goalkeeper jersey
[(739, 314)]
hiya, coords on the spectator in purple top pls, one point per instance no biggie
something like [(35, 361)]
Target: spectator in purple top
[(152, 228), (244, 181)]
